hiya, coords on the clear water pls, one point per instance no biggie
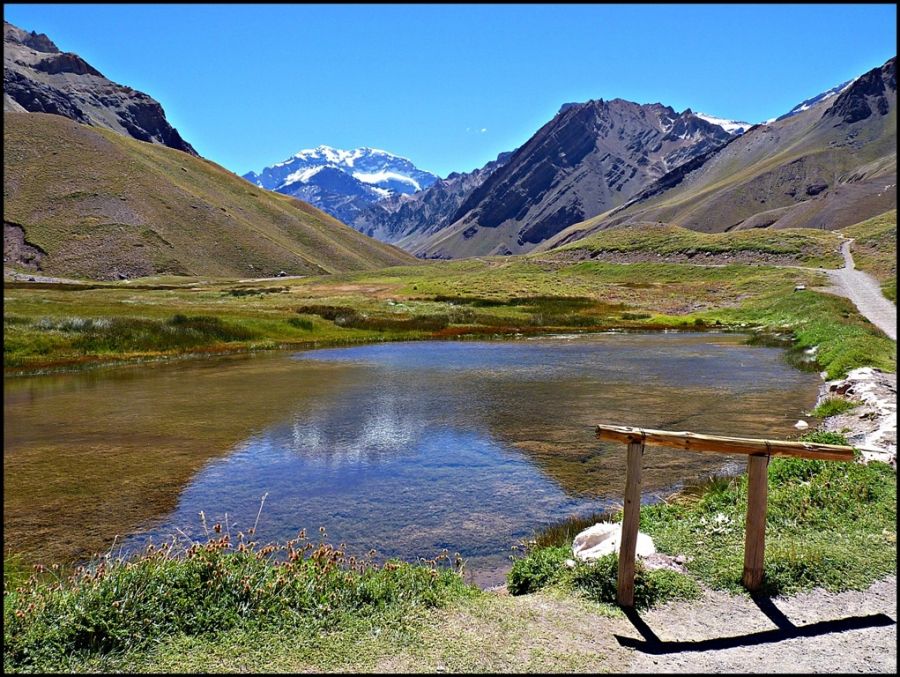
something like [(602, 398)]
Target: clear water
[(407, 448)]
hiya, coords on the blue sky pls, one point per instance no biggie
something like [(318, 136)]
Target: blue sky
[(451, 86)]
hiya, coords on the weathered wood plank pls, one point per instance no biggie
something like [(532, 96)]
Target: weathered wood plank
[(725, 445), (755, 530), (631, 519)]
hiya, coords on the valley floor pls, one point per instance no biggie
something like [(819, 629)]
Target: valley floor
[(545, 631)]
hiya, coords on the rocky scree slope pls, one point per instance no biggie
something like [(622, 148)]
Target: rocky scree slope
[(828, 166), (39, 78), (589, 158)]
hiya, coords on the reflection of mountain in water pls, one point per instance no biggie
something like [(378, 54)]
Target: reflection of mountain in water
[(389, 423)]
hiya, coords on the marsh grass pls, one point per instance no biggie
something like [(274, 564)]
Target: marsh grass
[(833, 406), (117, 606), (130, 334), (251, 291), (562, 533), (438, 300)]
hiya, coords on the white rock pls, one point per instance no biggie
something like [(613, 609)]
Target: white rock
[(801, 425), (604, 538)]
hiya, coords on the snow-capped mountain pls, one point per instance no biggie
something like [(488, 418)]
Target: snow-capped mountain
[(730, 126), (342, 182), (809, 103)]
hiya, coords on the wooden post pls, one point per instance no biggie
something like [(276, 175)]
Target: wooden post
[(755, 535), (631, 518)]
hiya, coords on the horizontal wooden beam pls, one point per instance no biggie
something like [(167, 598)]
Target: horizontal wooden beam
[(725, 445)]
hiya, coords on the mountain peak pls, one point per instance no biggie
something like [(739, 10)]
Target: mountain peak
[(36, 41), (366, 175), (39, 78)]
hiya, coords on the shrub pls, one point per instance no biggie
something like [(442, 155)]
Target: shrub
[(537, 569), (301, 323), (598, 580)]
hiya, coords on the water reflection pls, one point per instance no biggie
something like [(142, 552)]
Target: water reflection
[(408, 448)]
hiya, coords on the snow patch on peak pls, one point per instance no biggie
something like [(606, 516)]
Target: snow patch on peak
[(730, 126), (384, 175), (303, 174), (809, 103)]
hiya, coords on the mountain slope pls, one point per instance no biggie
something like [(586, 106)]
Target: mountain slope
[(38, 78), (89, 202), (829, 166), (407, 220), (343, 182), (812, 101), (589, 158)]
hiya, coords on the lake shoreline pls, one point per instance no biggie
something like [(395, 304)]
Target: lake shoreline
[(90, 362)]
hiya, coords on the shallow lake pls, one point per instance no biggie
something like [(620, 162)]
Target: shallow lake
[(407, 448)]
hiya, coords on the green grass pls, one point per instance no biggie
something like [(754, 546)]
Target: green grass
[(41, 326), (542, 567), (833, 406), (845, 340), (499, 296), (801, 246), (829, 525), (116, 608)]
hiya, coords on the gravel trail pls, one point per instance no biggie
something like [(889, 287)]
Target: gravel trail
[(865, 292)]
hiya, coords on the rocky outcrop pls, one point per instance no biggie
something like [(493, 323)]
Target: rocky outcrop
[(872, 424), (604, 538), (18, 251), (592, 157), (866, 96), (408, 219), (39, 78)]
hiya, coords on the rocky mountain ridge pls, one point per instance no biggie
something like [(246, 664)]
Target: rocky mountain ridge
[(39, 78), (828, 166), (405, 219), (589, 158)]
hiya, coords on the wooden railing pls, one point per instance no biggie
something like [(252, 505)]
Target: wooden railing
[(758, 451)]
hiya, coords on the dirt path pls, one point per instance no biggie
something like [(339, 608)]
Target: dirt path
[(865, 292), (814, 632)]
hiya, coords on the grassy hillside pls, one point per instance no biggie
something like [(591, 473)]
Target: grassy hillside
[(96, 204), (875, 249), (797, 246), (809, 171)]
